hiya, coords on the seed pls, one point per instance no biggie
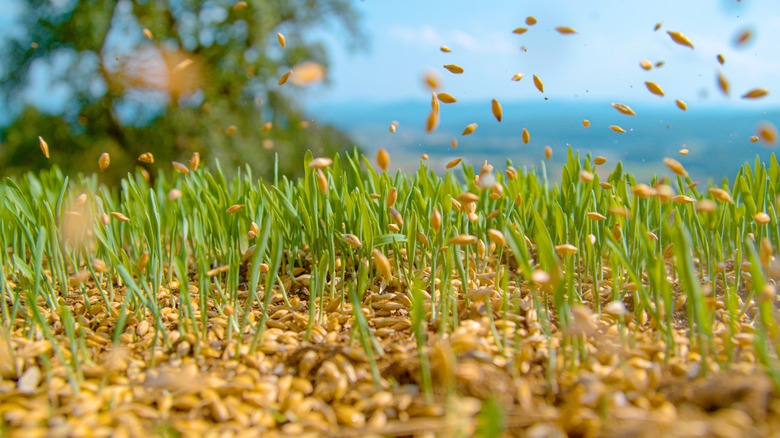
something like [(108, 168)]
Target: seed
[(675, 166), (320, 162), (392, 127), (683, 151), (596, 216), (234, 208), (383, 159), (586, 123), (496, 237), (643, 191), (148, 34), (743, 37), (517, 77), (436, 220), (657, 25), (680, 39), (620, 211), (753, 138), (623, 109), (194, 161), (617, 128), (538, 83), (322, 181), (174, 194), (434, 103), (454, 68), (446, 98), (605, 185), (646, 64), (548, 152), (566, 249), (767, 133), (654, 88), (382, 264), (283, 79), (445, 49), (267, 126), (721, 195), (586, 176), (723, 83), (463, 239), (44, 146), (432, 122), (467, 197), (392, 196), (498, 112), (424, 157), (104, 161), (659, 64), (616, 308), (681, 105), (352, 240), (520, 30), (146, 157), (469, 129), (598, 161), (682, 199), (181, 168), (230, 130), (454, 163), (705, 206), (755, 93), (539, 276), (721, 59), (565, 30), (120, 217), (454, 143), (761, 218), (281, 39)]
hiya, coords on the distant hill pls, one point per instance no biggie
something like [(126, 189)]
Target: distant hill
[(717, 138)]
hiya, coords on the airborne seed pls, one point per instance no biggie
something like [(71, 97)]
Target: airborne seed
[(657, 26), (454, 68), (623, 109), (445, 49), (526, 136), (548, 152), (723, 83), (283, 79), (148, 34), (565, 30), (617, 128), (146, 157), (432, 121), (721, 195), (446, 98), (181, 168), (761, 218), (104, 161), (586, 176), (517, 77), (281, 39), (538, 83), (681, 105), (721, 59), (755, 93), (520, 30), (654, 88), (586, 123), (680, 39), (599, 160), (44, 146), (454, 143), (496, 237), (454, 163), (743, 37), (432, 81), (498, 112), (683, 151), (530, 20), (434, 103), (383, 159), (675, 166), (767, 133), (469, 129), (646, 64)]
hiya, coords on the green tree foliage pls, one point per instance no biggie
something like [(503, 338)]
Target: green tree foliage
[(171, 78)]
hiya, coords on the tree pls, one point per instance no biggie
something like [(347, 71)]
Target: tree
[(170, 78)]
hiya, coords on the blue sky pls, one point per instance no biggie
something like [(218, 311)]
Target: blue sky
[(600, 62)]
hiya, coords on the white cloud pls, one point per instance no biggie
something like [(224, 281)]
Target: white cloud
[(428, 37)]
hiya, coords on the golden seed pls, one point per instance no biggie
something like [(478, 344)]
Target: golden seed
[(104, 161), (469, 129), (454, 143), (675, 166), (44, 146), (586, 123), (530, 20), (683, 151), (599, 160), (620, 211), (392, 127), (682, 199), (148, 34), (281, 39), (352, 240), (680, 39), (520, 30), (445, 49), (322, 181), (283, 79), (467, 197), (493, 214), (320, 162), (681, 105), (643, 191), (446, 98), (723, 83), (565, 30), (755, 93), (434, 103), (511, 173), (538, 83), (721, 195), (182, 65), (548, 152), (496, 237), (194, 161), (605, 185), (392, 196), (617, 128), (743, 37), (767, 133), (566, 249), (761, 218), (432, 122), (654, 88), (146, 157), (659, 64), (592, 239), (234, 208), (174, 194), (721, 59), (616, 308), (120, 217), (230, 130), (753, 138), (454, 68), (424, 157), (181, 168), (705, 206), (383, 159), (596, 216), (382, 264), (657, 26), (526, 136), (267, 126), (436, 220), (454, 163), (586, 176), (517, 77), (463, 239), (645, 64), (432, 81), (623, 109), (498, 112)]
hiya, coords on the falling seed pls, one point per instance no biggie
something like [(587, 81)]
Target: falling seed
[(383, 159), (645, 64), (182, 65), (595, 216), (761, 218), (654, 88), (721, 195), (721, 59), (194, 161), (382, 264), (681, 105), (599, 160), (104, 161), (565, 30), (586, 123), (463, 239), (623, 109), (454, 68), (424, 157), (284, 78), (657, 26), (753, 138), (520, 30), (723, 83), (675, 166), (434, 103), (586, 176), (148, 34), (352, 240), (643, 191), (44, 146), (230, 130), (755, 93), (498, 112), (530, 20), (617, 128), (659, 64), (446, 98), (526, 136), (548, 152), (683, 151), (181, 168), (517, 77), (320, 162), (767, 133), (454, 143), (432, 121), (469, 129), (432, 81), (234, 208), (120, 217), (566, 249), (281, 39), (453, 163), (743, 37), (146, 157), (393, 126), (445, 49), (680, 39), (538, 83)]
